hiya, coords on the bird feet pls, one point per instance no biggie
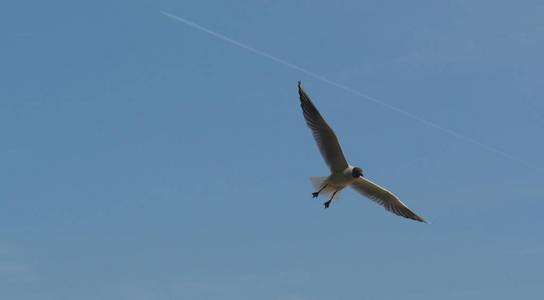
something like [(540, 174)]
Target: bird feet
[(327, 204), (315, 194)]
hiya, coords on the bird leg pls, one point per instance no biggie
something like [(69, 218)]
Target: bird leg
[(330, 200), (315, 194)]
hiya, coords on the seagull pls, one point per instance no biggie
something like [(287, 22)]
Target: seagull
[(342, 173)]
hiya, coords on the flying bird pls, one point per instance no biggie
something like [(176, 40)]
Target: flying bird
[(342, 173)]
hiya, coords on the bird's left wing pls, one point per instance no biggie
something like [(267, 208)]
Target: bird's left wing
[(385, 198), (323, 134)]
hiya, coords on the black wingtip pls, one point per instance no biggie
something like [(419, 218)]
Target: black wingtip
[(301, 91), (419, 219)]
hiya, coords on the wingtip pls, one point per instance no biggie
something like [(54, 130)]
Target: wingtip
[(423, 220), (300, 90)]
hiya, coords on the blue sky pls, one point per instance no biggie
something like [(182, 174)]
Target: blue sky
[(128, 138)]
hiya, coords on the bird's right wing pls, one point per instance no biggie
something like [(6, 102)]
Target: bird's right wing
[(323, 134), (385, 198)]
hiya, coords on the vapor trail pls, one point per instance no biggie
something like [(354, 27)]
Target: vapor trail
[(348, 89)]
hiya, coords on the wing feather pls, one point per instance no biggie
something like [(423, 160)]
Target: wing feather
[(323, 134), (385, 198)]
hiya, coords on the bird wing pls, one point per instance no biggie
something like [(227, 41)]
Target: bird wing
[(323, 134), (384, 197)]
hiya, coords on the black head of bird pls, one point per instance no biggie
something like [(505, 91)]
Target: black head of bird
[(357, 172)]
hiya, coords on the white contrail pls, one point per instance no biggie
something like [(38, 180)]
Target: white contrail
[(347, 88)]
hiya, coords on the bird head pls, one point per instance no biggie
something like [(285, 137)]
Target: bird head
[(357, 172)]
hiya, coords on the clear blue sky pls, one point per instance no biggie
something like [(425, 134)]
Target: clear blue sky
[(127, 139)]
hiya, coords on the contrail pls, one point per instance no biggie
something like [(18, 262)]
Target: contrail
[(347, 89)]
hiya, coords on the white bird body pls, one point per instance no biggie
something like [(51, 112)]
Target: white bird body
[(336, 181), (342, 173)]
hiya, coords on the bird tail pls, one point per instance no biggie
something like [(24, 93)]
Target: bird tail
[(319, 182)]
